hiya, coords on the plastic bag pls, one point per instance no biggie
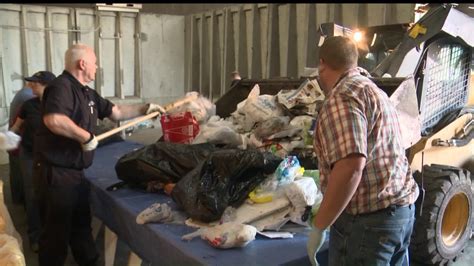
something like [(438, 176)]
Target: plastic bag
[(270, 126), (256, 108), (226, 235), (9, 140), (159, 213), (218, 131), (301, 193), (224, 179), (287, 170), (201, 108), (161, 161), (179, 127)]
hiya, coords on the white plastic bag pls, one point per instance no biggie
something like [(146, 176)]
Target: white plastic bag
[(218, 131), (301, 193), (9, 140), (201, 108), (226, 235)]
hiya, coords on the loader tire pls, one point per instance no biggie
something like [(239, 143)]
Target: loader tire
[(443, 230)]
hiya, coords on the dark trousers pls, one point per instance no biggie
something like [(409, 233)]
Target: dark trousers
[(31, 197), (65, 216), (16, 180)]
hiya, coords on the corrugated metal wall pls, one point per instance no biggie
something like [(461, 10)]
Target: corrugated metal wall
[(268, 40), (34, 38)]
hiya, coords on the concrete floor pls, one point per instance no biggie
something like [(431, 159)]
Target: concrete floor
[(145, 136)]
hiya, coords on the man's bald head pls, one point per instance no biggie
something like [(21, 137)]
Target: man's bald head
[(339, 53), (75, 53), (81, 62)]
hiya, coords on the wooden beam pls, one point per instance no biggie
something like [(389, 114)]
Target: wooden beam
[(338, 16), (242, 57), (138, 57), (72, 25), (204, 66), (362, 15), (215, 65), (99, 77), (229, 51), (118, 57), (256, 67), (195, 71), (292, 67), (311, 41), (25, 66), (48, 34), (273, 42)]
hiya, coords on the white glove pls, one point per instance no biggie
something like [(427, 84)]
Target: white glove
[(91, 144), (9, 140), (152, 107), (315, 240)]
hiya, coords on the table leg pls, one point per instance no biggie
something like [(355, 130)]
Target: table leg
[(134, 260), (110, 245)]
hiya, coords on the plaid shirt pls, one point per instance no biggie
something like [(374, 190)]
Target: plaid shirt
[(358, 117)]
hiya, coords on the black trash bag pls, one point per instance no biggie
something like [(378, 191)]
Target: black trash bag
[(161, 161), (224, 179)]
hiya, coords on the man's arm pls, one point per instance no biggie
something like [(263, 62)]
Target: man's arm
[(16, 127), (124, 112), (343, 181), (62, 125)]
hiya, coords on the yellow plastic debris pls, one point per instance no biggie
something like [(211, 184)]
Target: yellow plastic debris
[(416, 30), (261, 198)]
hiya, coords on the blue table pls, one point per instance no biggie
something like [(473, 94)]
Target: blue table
[(161, 244)]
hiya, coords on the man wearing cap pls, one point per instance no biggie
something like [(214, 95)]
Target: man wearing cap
[(64, 147), (29, 118), (16, 180)]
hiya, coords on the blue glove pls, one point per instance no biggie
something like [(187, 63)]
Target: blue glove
[(315, 241)]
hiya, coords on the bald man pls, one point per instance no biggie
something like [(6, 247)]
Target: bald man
[(64, 146)]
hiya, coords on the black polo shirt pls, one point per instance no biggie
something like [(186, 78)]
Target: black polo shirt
[(31, 115), (83, 105)]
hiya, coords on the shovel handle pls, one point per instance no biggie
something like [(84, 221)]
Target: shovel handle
[(140, 119)]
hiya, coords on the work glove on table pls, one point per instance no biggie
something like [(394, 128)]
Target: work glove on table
[(315, 238), (9, 140), (91, 144), (153, 107)]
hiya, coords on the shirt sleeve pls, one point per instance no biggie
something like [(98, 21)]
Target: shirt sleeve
[(104, 106), (55, 99), (23, 110), (343, 128)]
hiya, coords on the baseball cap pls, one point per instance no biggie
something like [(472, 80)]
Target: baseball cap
[(41, 76)]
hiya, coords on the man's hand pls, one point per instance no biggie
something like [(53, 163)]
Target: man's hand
[(315, 240), (91, 144), (152, 107)]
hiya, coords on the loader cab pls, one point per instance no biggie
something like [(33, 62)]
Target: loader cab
[(437, 54)]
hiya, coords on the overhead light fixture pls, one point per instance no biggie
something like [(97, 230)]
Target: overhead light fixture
[(119, 7), (357, 36), (470, 7)]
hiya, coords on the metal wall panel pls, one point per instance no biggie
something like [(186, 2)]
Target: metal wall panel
[(255, 30), (36, 45), (163, 57), (108, 56), (59, 38), (129, 63)]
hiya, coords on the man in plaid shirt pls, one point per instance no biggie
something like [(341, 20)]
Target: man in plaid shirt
[(369, 191)]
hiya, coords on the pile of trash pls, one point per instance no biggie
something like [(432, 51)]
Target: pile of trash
[(278, 123), (284, 193), (232, 177)]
